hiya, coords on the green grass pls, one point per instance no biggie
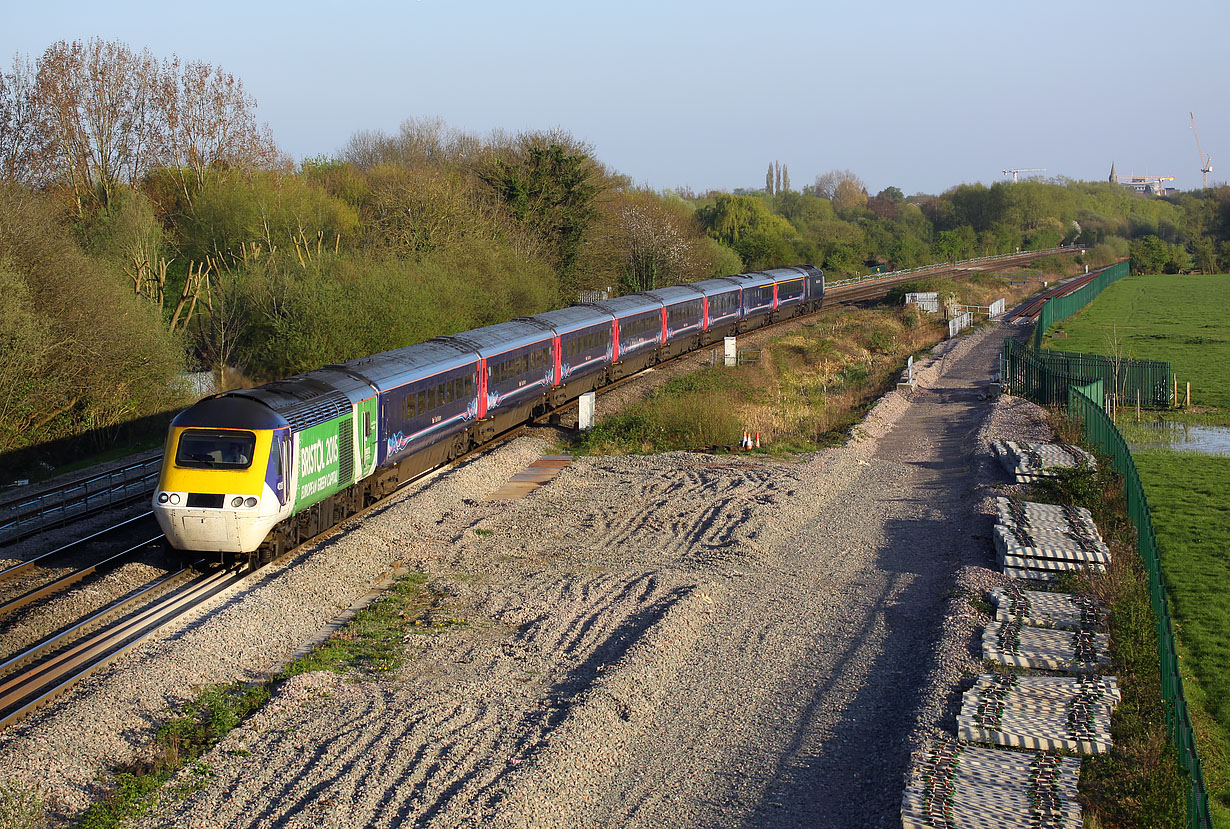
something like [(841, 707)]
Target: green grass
[(1188, 498), (692, 411), (1182, 319), (1139, 782), (372, 643)]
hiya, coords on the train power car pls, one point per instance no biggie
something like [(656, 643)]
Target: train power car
[(254, 472)]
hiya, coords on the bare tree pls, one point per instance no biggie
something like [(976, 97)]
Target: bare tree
[(20, 133), (827, 183), (207, 120), (95, 105)]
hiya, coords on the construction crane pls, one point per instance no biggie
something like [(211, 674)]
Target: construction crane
[(1146, 184), (1206, 164), (1015, 172)]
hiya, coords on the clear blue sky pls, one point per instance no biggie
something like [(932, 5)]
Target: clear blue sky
[(705, 94)]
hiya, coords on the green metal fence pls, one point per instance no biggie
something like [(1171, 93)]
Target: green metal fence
[(1101, 434), (1080, 380), (1060, 308), (1044, 375)]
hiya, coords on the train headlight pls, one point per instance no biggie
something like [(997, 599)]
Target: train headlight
[(251, 502), (237, 501), (174, 497), (163, 497)]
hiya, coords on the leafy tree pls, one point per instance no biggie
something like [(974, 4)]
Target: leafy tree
[(848, 195), (94, 102), (745, 224), (101, 356), (956, 244), (1153, 255), (826, 183), (548, 183)]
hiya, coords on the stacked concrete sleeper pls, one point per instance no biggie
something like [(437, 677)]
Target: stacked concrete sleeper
[(1020, 783)]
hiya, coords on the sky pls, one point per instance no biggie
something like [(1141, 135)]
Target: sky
[(704, 95)]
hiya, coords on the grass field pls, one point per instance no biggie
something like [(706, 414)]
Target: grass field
[(1191, 515), (1185, 320), (1182, 319)]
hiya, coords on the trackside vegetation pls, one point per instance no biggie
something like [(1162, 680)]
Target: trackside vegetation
[(370, 646), (802, 390), (1139, 784)]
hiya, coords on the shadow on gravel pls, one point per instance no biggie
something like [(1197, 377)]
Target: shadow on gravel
[(854, 776), (531, 732)]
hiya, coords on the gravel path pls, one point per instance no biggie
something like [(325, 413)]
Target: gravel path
[(680, 640)]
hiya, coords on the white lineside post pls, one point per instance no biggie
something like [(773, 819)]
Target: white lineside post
[(585, 411), (731, 354), (910, 366)]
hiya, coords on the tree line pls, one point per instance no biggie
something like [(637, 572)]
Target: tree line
[(149, 224)]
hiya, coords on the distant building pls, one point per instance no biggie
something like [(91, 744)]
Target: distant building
[(1145, 185)]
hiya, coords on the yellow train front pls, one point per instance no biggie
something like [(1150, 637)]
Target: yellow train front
[(222, 487)]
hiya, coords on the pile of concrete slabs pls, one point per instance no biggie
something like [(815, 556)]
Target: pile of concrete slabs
[(1040, 713), (959, 785), (1017, 645), (1030, 462), (1065, 611), (1039, 541)]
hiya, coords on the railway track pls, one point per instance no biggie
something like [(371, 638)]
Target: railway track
[(1029, 311), (141, 528), (23, 514), (48, 669)]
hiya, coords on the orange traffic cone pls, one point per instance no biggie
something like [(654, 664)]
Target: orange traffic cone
[(758, 440)]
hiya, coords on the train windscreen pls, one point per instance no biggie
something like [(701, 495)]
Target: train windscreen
[(215, 449)]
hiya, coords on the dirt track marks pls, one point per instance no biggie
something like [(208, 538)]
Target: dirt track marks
[(703, 514)]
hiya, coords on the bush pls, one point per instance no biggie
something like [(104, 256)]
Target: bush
[(86, 353)]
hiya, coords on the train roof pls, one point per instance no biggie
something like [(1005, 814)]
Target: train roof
[(626, 306), (229, 411), (570, 318), (756, 279), (413, 362), (673, 294), (778, 274), (505, 336), (302, 400), (721, 285)]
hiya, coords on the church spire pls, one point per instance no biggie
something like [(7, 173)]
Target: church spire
[(1114, 179)]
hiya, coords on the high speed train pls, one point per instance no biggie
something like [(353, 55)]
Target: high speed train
[(257, 471)]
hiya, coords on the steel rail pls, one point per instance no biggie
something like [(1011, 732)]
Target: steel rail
[(18, 569), (111, 612), (56, 585), (24, 693)]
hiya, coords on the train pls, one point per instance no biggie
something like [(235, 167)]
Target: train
[(255, 472)]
